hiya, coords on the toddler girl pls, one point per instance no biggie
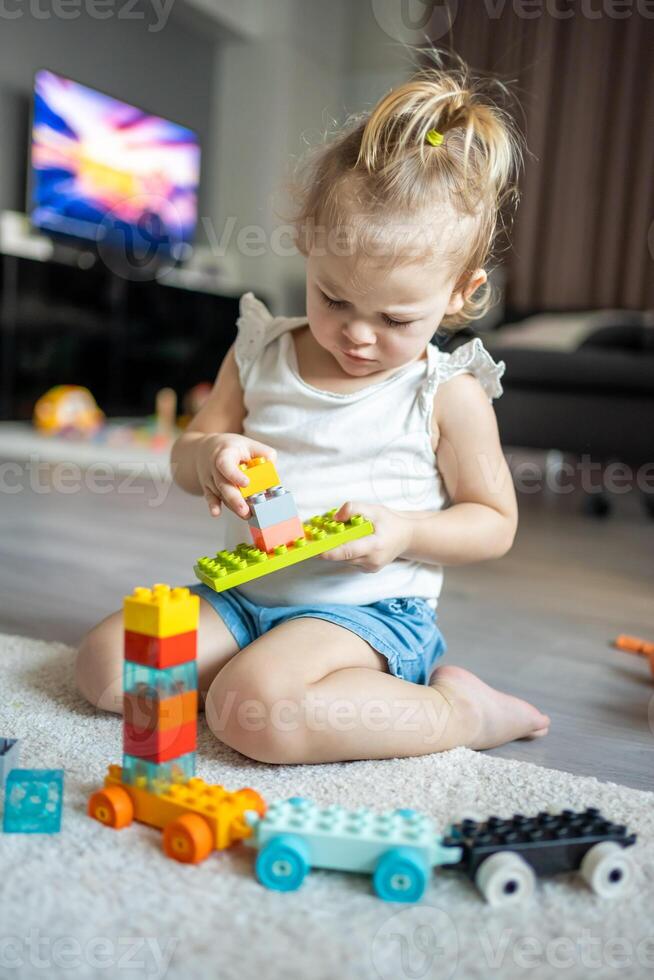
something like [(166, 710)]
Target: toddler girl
[(336, 658)]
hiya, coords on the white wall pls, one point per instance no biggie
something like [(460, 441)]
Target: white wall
[(313, 62)]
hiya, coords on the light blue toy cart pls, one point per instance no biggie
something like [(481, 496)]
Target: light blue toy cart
[(398, 848)]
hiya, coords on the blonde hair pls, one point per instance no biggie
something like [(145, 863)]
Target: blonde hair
[(380, 171)]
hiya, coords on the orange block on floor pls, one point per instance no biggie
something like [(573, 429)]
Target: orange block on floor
[(146, 714), (285, 532), (160, 745), (160, 651)]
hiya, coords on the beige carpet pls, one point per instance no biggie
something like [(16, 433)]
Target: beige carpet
[(92, 902)]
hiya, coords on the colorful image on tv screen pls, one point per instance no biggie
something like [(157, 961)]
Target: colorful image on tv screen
[(105, 171)]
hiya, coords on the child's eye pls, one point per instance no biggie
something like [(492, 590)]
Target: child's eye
[(396, 323), (333, 304), (337, 304)]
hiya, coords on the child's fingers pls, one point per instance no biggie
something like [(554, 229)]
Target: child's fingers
[(228, 467), (213, 502), (261, 449), (233, 499)]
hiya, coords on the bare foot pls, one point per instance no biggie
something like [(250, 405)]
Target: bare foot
[(488, 717)]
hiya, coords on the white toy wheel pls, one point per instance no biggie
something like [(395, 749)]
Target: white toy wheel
[(505, 878), (607, 869)]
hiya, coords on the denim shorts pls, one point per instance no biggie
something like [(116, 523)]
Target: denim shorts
[(402, 630)]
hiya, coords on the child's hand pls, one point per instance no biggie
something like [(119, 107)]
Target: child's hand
[(392, 536), (218, 459)]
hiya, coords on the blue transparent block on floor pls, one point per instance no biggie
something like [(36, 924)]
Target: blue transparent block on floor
[(157, 776), (9, 758), (33, 801), (153, 683)]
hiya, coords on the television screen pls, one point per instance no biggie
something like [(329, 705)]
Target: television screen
[(107, 172)]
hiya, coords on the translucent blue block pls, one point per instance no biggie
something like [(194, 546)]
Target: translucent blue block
[(157, 684), (9, 757), (33, 801), (157, 776)]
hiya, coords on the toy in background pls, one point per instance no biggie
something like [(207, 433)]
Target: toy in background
[(156, 784), (69, 411), (633, 644), (193, 401), (280, 538)]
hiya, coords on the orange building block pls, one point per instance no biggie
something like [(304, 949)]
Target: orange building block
[(160, 745), (145, 714), (269, 538), (160, 651), (634, 644)]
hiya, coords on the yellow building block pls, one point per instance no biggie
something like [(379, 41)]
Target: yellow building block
[(161, 611), (262, 475), (223, 810), (321, 533)]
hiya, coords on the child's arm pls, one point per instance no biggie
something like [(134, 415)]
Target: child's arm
[(205, 459), (482, 520)]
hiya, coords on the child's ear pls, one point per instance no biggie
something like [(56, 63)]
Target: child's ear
[(463, 289)]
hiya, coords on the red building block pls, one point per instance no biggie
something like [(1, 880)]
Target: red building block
[(160, 651), (158, 745), (283, 533)]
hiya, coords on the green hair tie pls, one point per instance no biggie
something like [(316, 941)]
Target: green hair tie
[(434, 137)]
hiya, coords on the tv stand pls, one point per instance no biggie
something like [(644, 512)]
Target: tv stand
[(65, 318)]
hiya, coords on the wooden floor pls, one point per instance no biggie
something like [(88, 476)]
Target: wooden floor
[(537, 623)]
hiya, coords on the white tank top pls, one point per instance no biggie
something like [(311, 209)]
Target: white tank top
[(370, 445)]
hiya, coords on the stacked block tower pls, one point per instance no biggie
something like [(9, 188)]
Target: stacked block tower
[(160, 681), (275, 520)]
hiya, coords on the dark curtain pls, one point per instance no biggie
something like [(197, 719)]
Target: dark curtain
[(583, 237)]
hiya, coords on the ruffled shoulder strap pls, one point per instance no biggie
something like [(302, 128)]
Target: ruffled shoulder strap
[(256, 327), (254, 317), (470, 358)]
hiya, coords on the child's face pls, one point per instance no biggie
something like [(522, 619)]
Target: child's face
[(386, 317)]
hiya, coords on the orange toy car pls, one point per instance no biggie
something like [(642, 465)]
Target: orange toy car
[(196, 817)]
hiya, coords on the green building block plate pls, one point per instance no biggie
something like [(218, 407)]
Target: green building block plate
[(321, 533)]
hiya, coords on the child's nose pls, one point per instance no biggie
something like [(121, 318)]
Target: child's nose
[(359, 332)]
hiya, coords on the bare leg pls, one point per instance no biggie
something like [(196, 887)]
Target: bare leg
[(312, 691)]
